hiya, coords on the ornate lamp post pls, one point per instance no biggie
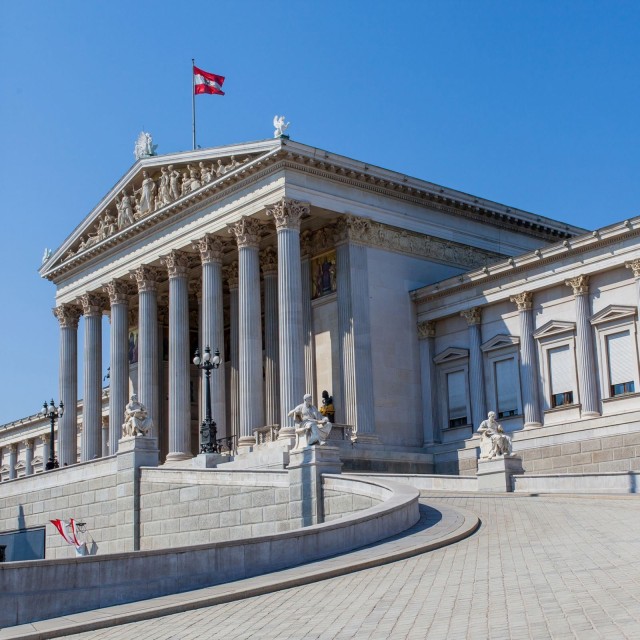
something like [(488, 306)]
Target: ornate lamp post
[(52, 413), (208, 431)]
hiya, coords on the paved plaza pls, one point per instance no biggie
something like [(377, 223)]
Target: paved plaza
[(538, 567)]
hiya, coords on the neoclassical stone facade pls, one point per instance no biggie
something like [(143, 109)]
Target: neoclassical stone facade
[(297, 265)]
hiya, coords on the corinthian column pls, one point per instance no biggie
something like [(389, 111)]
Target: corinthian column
[(430, 426), (177, 263), (354, 328), (269, 266), (231, 276), (68, 316), (287, 214), (528, 361), (13, 461), (473, 317), (118, 292), (92, 306), (587, 379), (251, 393), (212, 322), (307, 317), (146, 278)]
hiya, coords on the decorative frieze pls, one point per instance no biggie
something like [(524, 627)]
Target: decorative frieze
[(269, 261), (579, 284), (352, 228), (287, 213), (322, 240), (306, 243), (68, 315), (246, 232), (426, 329), (472, 316), (211, 248), (524, 300), (146, 278)]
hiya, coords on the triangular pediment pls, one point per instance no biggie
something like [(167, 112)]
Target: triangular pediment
[(500, 341), (21, 465), (450, 354), (553, 327), (153, 189), (613, 312)]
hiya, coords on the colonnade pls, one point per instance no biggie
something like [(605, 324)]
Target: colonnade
[(258, 396)]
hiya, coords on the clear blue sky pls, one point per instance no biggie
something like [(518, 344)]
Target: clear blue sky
[(534, 104)]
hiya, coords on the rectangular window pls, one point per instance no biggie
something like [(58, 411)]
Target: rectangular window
[(456, 390), (561, 373), (506, 391), (620, 350)]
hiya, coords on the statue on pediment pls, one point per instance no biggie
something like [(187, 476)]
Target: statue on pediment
[(186, 184), (146, 204), (205, 174), (280, 127), (144, 147), (174, 183), (220, 169), (125, 210), (164, 193), (194, 178)]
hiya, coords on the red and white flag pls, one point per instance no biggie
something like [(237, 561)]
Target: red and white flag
[(205, 82), (67, 529)]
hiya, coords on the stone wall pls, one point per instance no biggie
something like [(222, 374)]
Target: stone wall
[(180, 507), (338, 503), (86, 492)]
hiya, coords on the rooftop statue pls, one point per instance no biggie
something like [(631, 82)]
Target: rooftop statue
[(144, 147), (280, 127)]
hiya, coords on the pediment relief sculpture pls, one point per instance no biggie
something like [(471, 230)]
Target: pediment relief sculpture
[(155, 189)]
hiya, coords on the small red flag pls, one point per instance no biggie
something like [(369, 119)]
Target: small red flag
[(205, 82)]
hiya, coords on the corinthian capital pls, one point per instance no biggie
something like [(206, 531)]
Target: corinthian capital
[(426, 329), (352, 228), (92, 304), (269, 261), (231, 275), (68, 315), (472, 316), (211, 249), (247, 232), (118, 291), (579, 284), (287, 213), (177, 263), (523, 300), (634, 265), (146, 277)]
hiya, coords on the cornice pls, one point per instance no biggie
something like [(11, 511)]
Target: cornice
[(518, 265)]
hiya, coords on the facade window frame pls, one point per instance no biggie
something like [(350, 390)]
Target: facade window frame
[(502, 348), (452, 360)]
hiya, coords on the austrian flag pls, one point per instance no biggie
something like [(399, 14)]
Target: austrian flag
[(205, 82)]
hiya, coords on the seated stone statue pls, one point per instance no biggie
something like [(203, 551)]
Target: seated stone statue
[(327, 409), (311, 427), (494, 441), (136, 420)]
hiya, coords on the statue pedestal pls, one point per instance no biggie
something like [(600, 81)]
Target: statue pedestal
[(306, 467), (133, 453), (495, 474), (209, 460)]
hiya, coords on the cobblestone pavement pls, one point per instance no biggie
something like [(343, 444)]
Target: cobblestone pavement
[(539, 567)]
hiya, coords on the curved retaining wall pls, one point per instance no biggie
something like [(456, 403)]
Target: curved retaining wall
[(43, 589)]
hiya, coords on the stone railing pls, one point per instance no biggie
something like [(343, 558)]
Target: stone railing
[(269, 433)]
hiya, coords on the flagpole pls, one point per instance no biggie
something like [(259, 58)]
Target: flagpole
[(193, 101)]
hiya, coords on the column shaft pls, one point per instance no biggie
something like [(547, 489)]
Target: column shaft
[(119, 365), (28, 457), (13, 461), (269, 264), (430, 424), (179, 358), (307, 328), (476, 374), (68, 425), (234, 360)]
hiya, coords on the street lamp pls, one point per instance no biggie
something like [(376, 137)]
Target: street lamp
[(208, 431), (50, 411)]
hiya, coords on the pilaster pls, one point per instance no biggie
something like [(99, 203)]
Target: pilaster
[(587, 379), (473, 317), (231, 276), (430, 424)]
